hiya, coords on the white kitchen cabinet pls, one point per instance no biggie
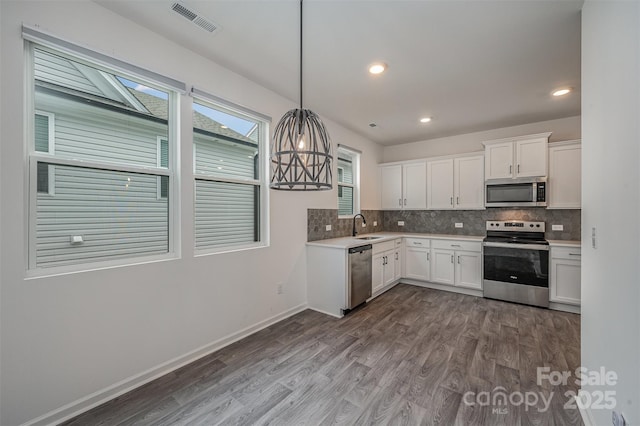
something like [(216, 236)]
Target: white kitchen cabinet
[(565, 175), (403, 186), (457, 263), (456, 183), (564, 286), (417, 258), (520, 157), (386, 263), (442, 266)]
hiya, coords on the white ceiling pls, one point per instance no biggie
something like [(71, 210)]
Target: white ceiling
[(472, 65)]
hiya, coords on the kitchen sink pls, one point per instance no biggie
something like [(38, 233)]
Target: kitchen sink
[(368, 238)]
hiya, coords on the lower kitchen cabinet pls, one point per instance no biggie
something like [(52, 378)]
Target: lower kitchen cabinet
[(457, 263), (564, 286), (417, 258), (386, 264)]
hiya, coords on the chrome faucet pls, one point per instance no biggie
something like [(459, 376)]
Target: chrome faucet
[(364, 221)]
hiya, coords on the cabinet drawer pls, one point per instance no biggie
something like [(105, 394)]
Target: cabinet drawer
[(572, 253), (398, 242), (380, 247), (417, 242), (457, 245)]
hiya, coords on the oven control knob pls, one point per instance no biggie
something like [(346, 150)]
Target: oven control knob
[(531, 225), (538, 226), (497, 224)]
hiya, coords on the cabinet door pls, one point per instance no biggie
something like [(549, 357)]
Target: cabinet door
[(565, 281), (377, 275), (417, 263), (440, 184), (531, 158), (442, 266), (498, 161), (391, 187), (389, 272), (469, 182), (414, 184), (469, 269), (565, 177), (397, 264)]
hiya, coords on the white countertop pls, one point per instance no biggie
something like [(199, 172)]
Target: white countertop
[(348, 242), (564, 243)]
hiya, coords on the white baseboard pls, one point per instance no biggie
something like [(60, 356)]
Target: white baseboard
[(325, 312), (81, 405), (574, 309), (444, 287)]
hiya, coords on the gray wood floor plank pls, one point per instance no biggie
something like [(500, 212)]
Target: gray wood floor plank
[(412, 356)]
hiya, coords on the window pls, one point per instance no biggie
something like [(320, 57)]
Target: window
[(348, 181), (230, 177), (44, 142), (112, 164)]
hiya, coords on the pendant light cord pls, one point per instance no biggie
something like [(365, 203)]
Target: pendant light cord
[(301, 54)]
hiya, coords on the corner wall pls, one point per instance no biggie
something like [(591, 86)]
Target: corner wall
[(64, 338), (611, 201)]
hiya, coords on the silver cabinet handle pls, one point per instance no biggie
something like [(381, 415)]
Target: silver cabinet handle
[(458, 200), (518, 168), (428, 257), (510, 168), (456, 245), (396, 256), (400, 201), (451, 258), (458, 260), (405, 201), (451, 200), (417, 243), (574, 254)]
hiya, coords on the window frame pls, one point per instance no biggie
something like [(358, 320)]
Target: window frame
[(34, 157), (51, 180), (355, 161), (262, 183)]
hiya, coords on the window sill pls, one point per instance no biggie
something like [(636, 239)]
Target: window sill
[(229, 249)]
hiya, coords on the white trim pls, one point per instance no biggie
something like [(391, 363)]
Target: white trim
[(325, 312), (215, 178), (545, 135), (231, 106), (88, 402), (90, 164), (587, 415), (355, 170)]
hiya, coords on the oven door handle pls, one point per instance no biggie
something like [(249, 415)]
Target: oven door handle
[(518, 246)]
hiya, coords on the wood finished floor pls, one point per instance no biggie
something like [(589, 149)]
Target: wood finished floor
[(408, 358)]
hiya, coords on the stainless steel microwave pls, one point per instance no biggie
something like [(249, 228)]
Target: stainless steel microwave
[(516, 194)]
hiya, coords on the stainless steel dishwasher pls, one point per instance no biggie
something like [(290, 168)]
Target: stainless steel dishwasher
[(359, 276)]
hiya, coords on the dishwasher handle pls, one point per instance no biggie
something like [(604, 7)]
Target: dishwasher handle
[(360, 249)]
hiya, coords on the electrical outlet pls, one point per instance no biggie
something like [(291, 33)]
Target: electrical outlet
[(280, 288), (327, 228), (375, 223), (459, 225), (364, 225), (557, 227), (401, 223)]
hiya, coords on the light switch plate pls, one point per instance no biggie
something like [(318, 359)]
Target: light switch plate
[(364, 225), (328, 227), (557, 227), (375, 223), (401, 223), (459, 225)]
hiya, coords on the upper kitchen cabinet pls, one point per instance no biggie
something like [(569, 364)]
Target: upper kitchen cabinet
[(519, 157), (404, 186), (455, 183), (565, 175)]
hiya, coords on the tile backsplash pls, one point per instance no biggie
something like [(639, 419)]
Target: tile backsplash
[(441, 221)]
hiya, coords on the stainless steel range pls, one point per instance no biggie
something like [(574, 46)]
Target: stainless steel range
[(516, 262)]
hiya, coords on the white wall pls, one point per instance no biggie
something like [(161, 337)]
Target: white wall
[(66, 337), (611, 199), (563, 129)]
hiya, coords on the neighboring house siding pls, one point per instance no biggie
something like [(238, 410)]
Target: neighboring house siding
[(345, 196), (117, 214), (225, 213)]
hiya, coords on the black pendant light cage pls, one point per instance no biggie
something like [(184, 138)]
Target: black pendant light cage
[(301, 152)]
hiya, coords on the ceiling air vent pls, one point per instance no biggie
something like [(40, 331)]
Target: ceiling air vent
[(192, 16)]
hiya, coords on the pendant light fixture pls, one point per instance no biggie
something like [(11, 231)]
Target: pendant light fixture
[(301, 149)]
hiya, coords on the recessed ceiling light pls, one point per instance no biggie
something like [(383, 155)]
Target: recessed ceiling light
[(561, 92), (425, 119), (377, 68)]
